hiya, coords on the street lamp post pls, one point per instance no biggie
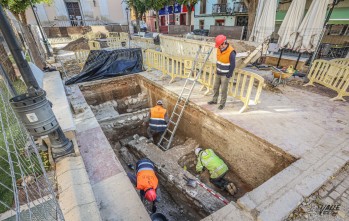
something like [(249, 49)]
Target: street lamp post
[(128, 25), (40, 29)]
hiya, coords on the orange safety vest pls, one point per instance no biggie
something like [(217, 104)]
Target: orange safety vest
[(223, 60), (146, 179), (157, 119)]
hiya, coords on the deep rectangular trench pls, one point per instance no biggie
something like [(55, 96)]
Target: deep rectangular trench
[(250, 159)]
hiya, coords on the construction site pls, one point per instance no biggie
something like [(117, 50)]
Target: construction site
[(283, 137)]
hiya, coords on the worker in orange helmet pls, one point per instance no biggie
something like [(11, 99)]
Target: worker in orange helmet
[(225, 68), (146, 181)]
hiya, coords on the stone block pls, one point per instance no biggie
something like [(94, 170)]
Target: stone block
[(341, 188), (246, 202), (302, 164), (310, 184), (72, 177), (69, 163), (229, 212), (87, 212), (75, 196), (281, 207), (271, 186), (118, 199)]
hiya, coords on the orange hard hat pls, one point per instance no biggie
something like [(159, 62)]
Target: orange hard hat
[(220, 39), (150, 195)]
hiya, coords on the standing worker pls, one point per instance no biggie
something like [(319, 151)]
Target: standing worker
[(216, 167), (146, 181), (225, 68), (157, 120)]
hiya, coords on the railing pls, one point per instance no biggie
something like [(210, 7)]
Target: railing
[(241, 85), (341, 61), (331, 74), (72, 23), (239, 8), (94, 45), (81, 57), (62, 40), (220, 9)]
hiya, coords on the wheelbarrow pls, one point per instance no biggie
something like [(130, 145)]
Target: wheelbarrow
[(281, 76)]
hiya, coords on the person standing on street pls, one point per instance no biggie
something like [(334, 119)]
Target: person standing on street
[(225, 68)]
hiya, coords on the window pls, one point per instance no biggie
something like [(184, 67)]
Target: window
[(203, 7), (219, 22), (201, 24)]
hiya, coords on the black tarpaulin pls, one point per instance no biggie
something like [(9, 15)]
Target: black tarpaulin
[(102, 64)]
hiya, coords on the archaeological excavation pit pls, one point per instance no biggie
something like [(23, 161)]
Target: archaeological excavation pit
[(122, 104)]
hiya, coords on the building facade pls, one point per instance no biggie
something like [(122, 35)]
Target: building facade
[(220, 13), (80, 12)]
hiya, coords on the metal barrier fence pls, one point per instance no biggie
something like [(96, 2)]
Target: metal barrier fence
[(331, 74), (26, 189), (62, 40), (244, 85)]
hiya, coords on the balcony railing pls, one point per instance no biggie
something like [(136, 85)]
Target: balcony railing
[(229, 9), (239, 8), (220, 9), (69, 23)]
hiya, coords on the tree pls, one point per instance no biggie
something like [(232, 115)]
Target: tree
[(252, 8), (140, 7), (190, 4), (18, 7), (156, 5)]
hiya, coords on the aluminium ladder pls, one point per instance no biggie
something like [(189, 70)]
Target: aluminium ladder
[(201, 57)]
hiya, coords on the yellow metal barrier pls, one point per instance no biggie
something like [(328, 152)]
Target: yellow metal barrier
[(94, 45), (244, 85), (331, 75), (341, 61), (81, 57)]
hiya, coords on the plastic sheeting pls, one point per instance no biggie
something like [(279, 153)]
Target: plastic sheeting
[(102, 64)]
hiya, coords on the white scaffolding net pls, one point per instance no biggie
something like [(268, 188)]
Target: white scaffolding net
[(26, 185)]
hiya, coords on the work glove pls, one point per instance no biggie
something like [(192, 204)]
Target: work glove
[(229, 75)]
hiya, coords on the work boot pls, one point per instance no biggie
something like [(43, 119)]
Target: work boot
[(231, 188), (221, 106), (212, 102)]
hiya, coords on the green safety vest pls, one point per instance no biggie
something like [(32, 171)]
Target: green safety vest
[(212, 162)]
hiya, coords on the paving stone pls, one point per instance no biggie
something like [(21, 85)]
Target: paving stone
[(327, 200), (246, 202), (322, 193), (341, 189), (280, 208), (334, 195)]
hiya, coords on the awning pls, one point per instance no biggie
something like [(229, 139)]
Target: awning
[(339, 16)]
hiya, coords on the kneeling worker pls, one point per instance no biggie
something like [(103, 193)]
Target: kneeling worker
[(216, 167), (146, 181)]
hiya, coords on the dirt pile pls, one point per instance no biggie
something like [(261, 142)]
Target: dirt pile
[(78, 44)]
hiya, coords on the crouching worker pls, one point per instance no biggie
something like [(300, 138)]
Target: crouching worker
[(216, 167), (146, 181), (157, 121)]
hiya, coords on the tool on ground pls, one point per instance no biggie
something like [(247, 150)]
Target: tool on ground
[(190, 182), (202, 55), (214, 193)]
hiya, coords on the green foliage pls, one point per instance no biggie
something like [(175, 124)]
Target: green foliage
[(139, 6), (190, 3), (157, 4), (18, 6)]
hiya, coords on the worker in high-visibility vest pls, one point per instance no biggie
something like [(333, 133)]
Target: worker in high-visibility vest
[(146, 181), (216, 167), (225, 67), (157, 120)]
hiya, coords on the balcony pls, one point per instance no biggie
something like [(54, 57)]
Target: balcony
[(220, 9), (229, 9), (239, 8)]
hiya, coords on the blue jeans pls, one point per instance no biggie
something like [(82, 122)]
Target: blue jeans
[(133, 180)]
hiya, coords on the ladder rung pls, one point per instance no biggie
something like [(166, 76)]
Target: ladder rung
[(170, 131), (175, 113), (173, 122)]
